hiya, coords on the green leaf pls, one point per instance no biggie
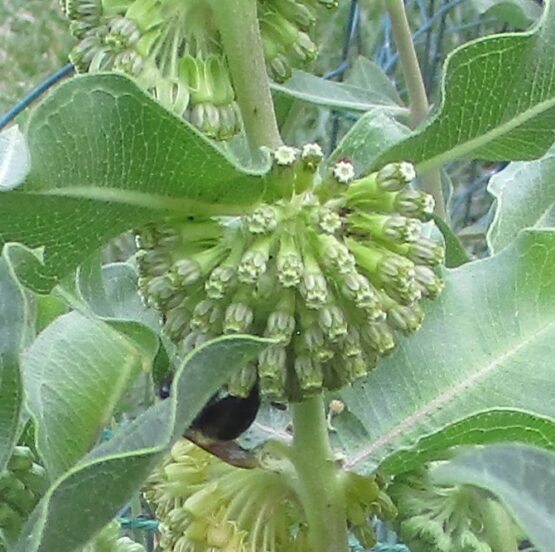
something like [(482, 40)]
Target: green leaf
[(369, 137), (483, 345), (525, 198), (15, 161), (106, 157), (316, 90), (89, 495), (368, 75), (13, 328), (75, 372), (522, 477), (519, 13), (492, 426), (498, 102), (455, 254)]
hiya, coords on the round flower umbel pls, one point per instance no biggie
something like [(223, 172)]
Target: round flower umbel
[(173, 49), (204, 504), (446, 518), (331, 270)]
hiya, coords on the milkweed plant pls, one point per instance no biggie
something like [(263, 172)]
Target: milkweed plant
[(249, 345)]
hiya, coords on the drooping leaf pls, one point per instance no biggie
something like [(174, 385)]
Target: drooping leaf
[(519, 13), (13, 327), (498, 102), (492, 426), (455, 254), (368, 75), (75, 372), (483, 345), (525, 198), (15, 160), (105, 479), (106, 157), (522, 477), (316, 90), (370, 136)]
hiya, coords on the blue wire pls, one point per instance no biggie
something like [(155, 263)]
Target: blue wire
[(36, 93)]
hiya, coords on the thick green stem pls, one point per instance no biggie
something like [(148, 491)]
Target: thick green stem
[(319, 487), (238, 25), (418, 100)]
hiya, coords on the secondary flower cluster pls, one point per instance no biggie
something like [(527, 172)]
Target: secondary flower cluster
[(173, 49), (206, 505), (329, 270), (109, 540), (441, 518), (21, 486)]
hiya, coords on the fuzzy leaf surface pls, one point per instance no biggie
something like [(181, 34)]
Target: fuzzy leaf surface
[(518, 13), (483, 345), (522, 477), (316, 90), (498, 102), (491, 426), (102, 482), (13, 324), (525, 198), (106, 157), (15, 160)]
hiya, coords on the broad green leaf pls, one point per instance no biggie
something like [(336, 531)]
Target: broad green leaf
[(106, 157), (485, 343), (15, 161), (369, 137), (75, 372), (498, 102), (525, 198), (521, 476), (90, 494), (316, 90), (13, 324), (519, 13), (455, 254), (369, 76), (492, 426)]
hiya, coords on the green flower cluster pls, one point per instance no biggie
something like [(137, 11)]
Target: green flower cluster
[(173, 49), (206, 505), (21, 486), (330, 270), (109, 540), (441, 518)]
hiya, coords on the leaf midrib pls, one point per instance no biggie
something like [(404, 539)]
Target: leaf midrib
[(439, 402)]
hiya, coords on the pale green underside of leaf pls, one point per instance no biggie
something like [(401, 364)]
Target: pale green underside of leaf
[(485, 343), (522, 477), (13, 327), (514, 12), (492, 426), (106, 157), (15, 161), (498, 102), (316, 90), (90, 494), (525, 194)]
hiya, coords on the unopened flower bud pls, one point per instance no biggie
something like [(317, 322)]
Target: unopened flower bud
[(358, 289), (407, 319), (395, 176), (238, 318), (176, 323), (314, 289), (243, 381), (220, 281), (262, 220), (205, 315), (328, 221), (312, 155), (425, 252), (380, 337), (272, 369), (415, 204), (309, 374), (153, 262), (254, 261), (332, 321), (314, 341), (429, 283), (343, 172), (336, 255)]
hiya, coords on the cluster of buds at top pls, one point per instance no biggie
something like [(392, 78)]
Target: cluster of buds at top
[(173, 50), (109, 540), (442, 518), (204, 505), (329, 270), (21, 486)]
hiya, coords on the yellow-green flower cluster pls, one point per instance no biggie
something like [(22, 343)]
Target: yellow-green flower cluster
[(206, 505), (442, 518), (173, 49), (109, 540), (330, 269), (21, 487)]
